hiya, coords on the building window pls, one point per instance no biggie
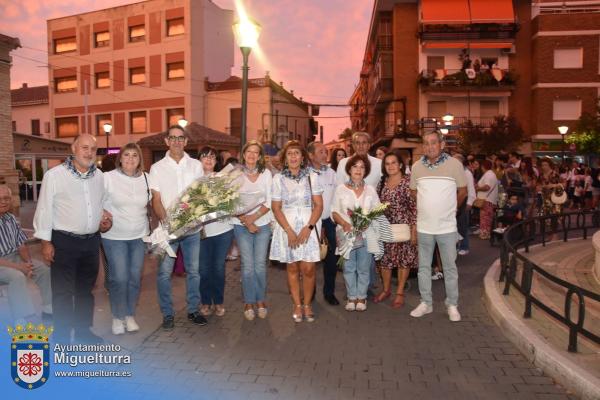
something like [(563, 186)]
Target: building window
[(489, 108), (235, 122), (102, 119), (175, 71), (137, 121), (14, 126), (67, 126), (137, 75), (568, 58), (101, 39), (566, 110), (35, 127), (175, 27), (137, 33), (174, 115), (46, 127), (436, 109), (66, 84), (102, 80), (65, 45)]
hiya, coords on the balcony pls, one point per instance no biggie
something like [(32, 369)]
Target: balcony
[(479, 32), (430, 123), (457, 80)]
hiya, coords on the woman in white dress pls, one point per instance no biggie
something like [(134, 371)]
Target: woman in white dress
[(297, 206)]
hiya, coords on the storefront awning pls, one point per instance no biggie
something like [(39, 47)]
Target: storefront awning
[(445, 12), (492, 12)]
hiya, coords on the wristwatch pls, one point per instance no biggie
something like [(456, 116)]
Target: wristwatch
[(311, 227)]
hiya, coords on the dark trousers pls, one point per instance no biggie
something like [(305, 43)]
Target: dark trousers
[(73, 274), (329, 264)]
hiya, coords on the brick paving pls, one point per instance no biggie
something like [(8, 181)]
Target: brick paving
[(382, 353)]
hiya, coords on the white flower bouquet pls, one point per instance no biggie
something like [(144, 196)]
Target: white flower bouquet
[(207, 199)]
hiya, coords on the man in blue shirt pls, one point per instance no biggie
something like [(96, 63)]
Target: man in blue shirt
[(16, 265)]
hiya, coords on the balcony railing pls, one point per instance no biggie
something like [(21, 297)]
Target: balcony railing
[(468, 33), (458, 122), (457, 78)]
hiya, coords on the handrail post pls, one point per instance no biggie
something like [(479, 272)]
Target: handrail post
[(526, 282), (574, 328)]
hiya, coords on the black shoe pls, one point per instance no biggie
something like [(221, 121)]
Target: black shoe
[(197, 318), (168, 323), (87, 337), (330, 298)]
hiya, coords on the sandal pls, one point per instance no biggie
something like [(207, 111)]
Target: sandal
[(398, 300), (297, 316), (382, 296), (309, 316)]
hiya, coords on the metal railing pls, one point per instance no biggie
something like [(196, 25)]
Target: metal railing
[(452, 78), (516, 242)]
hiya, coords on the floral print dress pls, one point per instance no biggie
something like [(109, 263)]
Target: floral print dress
[(402, 209)]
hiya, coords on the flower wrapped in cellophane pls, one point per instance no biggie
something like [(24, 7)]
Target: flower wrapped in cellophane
[(360, 220), (207, 199)]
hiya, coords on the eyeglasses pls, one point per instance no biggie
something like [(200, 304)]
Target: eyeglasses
[(176, 138), (208, 156)]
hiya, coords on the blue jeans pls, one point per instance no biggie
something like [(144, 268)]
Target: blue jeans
[(125, 263), (212, 267), (190, 246), (253, 252), (357, 270), (462, 221), (19, 297), (447, 245)]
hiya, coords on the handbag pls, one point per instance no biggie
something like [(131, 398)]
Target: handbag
[(323, 246), (400, 232), (480, 201), (559, 195)]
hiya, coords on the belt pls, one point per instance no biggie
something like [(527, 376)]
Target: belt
[(76, 235)]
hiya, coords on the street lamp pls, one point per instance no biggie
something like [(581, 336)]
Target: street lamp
[(444, 131), (448, 119), (107, 129), (182, 123), (246, 33), (563, 129)]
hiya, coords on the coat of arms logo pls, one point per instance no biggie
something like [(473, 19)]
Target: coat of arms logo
[(30, 355)]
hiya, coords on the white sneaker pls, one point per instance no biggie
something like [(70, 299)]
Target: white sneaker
[(249, 314), (350, 306), (262, 312), (463, 252), (500, 230), (453, 313), (476, 232), (131, 325), (421, 310), (118, 326), (437, 276), (360, 306)]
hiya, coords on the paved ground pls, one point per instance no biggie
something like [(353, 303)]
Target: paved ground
[(382, 353)]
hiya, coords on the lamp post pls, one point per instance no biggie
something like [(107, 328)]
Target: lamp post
[(107, 129), (246, 32), (563, 129)]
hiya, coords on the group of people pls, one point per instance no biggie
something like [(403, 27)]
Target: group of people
[(306, 205)]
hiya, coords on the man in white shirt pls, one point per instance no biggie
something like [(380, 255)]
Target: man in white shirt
[(317, 152), (361, 141), (464, 211), (439, 185), (168, 178), (67, 219)]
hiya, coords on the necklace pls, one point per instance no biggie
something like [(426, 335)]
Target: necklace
[(352, 185), (250, 171)]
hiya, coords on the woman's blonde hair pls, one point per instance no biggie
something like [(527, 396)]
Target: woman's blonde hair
[(261, 163), (131, 146)]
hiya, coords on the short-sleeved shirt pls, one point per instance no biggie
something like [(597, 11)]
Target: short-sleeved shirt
[(436, 186), (11, 235), (171, 178)]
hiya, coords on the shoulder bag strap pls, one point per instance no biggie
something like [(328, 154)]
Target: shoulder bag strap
[(312, 205), (148, 217)]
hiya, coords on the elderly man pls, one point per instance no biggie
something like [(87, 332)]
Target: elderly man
[(317, 152), (68, 219), (438, 182), (168, 178), (16, 265), (361, 141)]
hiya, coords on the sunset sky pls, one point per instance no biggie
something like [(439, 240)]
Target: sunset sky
[(314, 46)]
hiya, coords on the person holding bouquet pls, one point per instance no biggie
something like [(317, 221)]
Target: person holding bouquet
[(127, 193), (253, 230), (297, 206), (348, 196), (214, 245), (168, 178), (395, 191)]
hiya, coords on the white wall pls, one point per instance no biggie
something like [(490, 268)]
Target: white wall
[(24, 114)]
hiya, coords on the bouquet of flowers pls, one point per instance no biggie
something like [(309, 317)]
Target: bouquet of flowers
[(206, 199), (360, 220)]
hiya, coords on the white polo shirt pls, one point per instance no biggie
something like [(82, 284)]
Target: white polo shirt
[(327, 181), (170, 178)]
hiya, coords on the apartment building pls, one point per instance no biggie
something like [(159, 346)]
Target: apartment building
[(30, 111), (140, 67), (275, 115), (477, 59)]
